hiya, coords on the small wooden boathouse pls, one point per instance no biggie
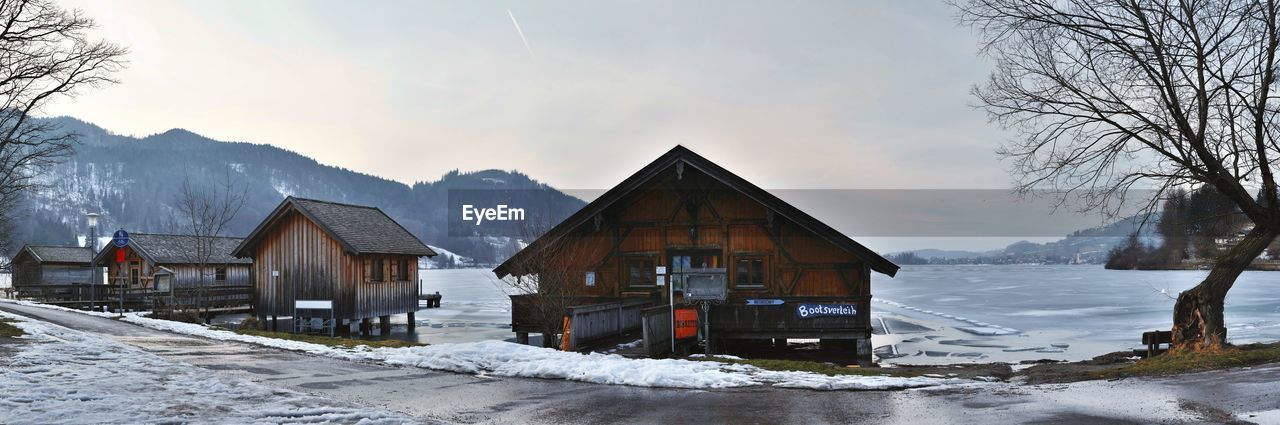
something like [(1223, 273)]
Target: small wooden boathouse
[(354, 256)]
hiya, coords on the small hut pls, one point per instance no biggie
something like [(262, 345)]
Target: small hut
[(685, 221), (49, 272), (175, 270), (354, 257)]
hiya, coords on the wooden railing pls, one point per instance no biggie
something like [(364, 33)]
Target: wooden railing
[(219, 297), (588, 323), (656, 330)]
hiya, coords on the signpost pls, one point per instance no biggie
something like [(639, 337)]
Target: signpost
[(706, 287), (121, 240)]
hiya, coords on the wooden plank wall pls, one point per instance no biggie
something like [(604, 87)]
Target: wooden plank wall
[(314, 266), (310, 265)]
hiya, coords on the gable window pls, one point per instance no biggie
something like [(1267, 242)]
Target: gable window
[(220, 274), (640, 272), (379, 271), (748, 272)]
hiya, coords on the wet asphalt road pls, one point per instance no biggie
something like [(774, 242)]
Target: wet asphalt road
[(1213, 397)]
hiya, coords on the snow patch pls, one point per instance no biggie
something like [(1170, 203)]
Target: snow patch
[(68, 376), (501, 358)]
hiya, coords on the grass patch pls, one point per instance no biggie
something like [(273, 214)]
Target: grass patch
[(816, 367), (1168, 364), (9, 331), (327, 340)]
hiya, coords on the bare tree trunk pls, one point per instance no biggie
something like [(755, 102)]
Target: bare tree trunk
[(1197, 315)]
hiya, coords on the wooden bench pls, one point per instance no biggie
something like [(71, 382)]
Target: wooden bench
[(1154, 339)]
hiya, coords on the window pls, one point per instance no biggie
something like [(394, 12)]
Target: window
[(403, 269), (641, 272), (378, 272), (220, 274), (748, 272)]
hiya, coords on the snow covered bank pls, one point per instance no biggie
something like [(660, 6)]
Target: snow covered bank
[(513, 360), (63, 375)]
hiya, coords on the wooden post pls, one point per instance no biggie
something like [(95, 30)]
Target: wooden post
[(366, 327), (412, 323), (384, 325), (344, 327), (275, 324), (864, 352), (262, 322), (522, 338), (780, 343)]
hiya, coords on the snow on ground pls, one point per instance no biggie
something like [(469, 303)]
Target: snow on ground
[(501, 358), (66, 376)]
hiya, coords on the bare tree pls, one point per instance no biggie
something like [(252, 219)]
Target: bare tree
[(45, 54), (1107, 96), (204, 212), (545, 283)]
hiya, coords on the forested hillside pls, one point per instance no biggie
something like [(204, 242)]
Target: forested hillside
[(134, 182)]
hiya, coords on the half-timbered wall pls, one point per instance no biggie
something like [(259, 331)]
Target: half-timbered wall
[(696, 214)]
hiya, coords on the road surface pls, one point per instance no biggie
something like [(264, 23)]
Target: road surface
[(1247, 394)]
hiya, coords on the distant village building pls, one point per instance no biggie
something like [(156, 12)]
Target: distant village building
[(355, 256), (787, 274), (45, 271), (165, 264)]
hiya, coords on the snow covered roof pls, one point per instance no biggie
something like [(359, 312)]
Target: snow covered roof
[(360, 229), (59, 254), (177, 249), (682, 155)]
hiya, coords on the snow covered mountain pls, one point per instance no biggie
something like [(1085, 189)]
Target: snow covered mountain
[(133, 182)]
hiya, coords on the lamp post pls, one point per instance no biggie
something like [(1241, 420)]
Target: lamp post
[(92, 242)]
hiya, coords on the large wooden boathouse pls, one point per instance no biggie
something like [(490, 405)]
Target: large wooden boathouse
[(787, 274), (354, 256)]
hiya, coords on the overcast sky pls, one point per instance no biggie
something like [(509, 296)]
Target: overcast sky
[(789, 95)]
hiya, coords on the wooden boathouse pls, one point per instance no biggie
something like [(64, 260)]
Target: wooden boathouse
[(51, 273), (355, 257), (173, 272), (788, 275)]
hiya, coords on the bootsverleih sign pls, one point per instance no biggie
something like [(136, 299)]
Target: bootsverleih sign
[(809, 311)]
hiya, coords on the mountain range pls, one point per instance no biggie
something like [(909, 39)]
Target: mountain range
[(1087, 246), (134, 183)]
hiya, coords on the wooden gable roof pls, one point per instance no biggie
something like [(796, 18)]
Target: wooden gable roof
[(681, 154), (359, 229)]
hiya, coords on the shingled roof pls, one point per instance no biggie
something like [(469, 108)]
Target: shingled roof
[(49, 254), (360, 229), (177, 249)]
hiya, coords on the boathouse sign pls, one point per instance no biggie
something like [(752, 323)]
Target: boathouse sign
[(809, 311)]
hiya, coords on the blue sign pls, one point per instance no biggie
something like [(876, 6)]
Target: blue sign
[(120, 239), (764, 302), (809, 311)]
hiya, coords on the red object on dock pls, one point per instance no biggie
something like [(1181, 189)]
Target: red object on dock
[(686, 323)]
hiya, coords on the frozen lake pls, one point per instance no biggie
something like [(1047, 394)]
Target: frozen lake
[(933, 313)]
